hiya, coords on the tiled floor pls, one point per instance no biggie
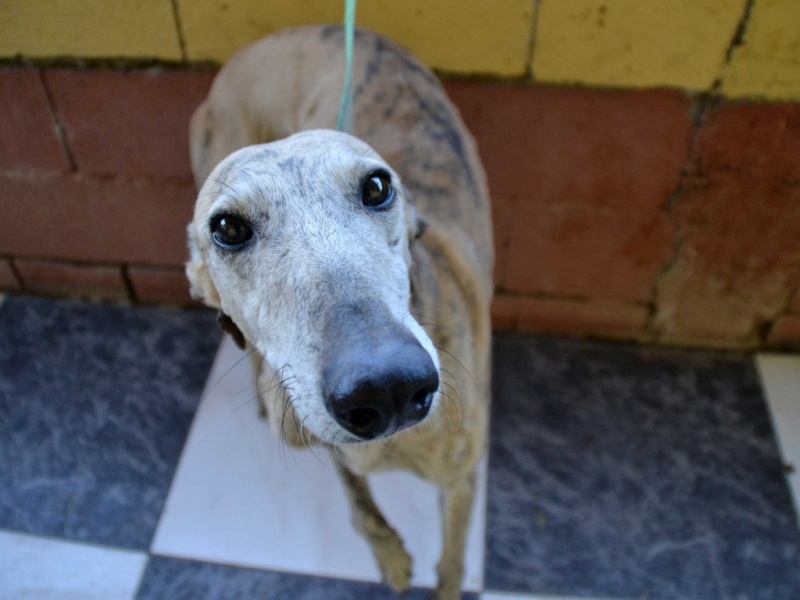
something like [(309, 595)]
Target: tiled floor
[(132, 468)]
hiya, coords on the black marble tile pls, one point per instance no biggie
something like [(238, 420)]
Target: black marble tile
[(625, 472), (186, 580), (95, 405)]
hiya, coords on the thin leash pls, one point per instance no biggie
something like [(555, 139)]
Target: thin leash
[(345, 121)]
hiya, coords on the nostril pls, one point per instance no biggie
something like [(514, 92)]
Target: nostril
[(421, 402), (364, 421)]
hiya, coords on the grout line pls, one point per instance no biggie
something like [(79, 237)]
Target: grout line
[(534, 28), (212, 380), (12, 262), (741, 30), (737, 41), (176, 13), (61, 128), (57, 539), (142, 575), (126, 281), (780, 380)]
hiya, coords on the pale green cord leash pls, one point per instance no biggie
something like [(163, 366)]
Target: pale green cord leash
[(345, 120)]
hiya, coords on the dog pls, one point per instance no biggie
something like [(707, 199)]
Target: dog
[(358, 269)]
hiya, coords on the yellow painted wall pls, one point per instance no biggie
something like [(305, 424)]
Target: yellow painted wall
[(608, 43), (635, 43), (89, 28), (463, 36), (768, 64)]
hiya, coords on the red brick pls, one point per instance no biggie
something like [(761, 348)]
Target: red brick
[(580, 249), (795, 305), (504, 313), (739, 222), (592, 172), (28, 135), (762, 139), (45, 277), (8, 279), (786, 331), (73, 217), (577, 318), (563, 142), (737, 265), (133, 123), (160, 285)]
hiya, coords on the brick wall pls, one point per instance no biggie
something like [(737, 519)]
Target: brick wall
[(95, 188), (643, 158)]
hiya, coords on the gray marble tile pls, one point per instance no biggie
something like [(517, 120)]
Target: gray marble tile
[(186, 580), (95, 405), (624, 472)]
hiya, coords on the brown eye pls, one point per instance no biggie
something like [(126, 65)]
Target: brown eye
[(230, 232), (377, 191)]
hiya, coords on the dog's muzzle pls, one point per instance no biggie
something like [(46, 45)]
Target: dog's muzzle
[(379, 384)]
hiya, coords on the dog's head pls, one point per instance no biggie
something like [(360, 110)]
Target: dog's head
[(304, 244)]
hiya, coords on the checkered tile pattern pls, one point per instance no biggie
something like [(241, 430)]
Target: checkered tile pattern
[(133, 465)]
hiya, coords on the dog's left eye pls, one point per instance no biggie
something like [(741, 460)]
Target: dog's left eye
[(230, 232), (377, 191)]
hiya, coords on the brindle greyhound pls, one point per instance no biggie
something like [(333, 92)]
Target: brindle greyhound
[(360, 272)]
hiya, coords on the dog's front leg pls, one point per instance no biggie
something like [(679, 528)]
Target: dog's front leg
[(457, 504), (387, 547)]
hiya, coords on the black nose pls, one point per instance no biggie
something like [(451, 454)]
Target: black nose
[(375, 391)]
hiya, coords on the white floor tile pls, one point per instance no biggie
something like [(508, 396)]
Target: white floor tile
[(240, 498), (34, 568), (780, 377)]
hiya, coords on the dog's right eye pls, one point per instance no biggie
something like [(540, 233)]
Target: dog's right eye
[(230, 232), (377, 191)]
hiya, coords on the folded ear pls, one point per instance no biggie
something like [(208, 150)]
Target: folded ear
[(416, 223), (201, 287), (228, 326)]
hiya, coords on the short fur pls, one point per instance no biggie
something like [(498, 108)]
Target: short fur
[(322, 266)]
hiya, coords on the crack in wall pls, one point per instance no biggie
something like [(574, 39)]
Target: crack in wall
[(688, 175), (762, 328)]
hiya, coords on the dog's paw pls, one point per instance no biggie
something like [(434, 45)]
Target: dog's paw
[(395, 567), (447, 592)]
